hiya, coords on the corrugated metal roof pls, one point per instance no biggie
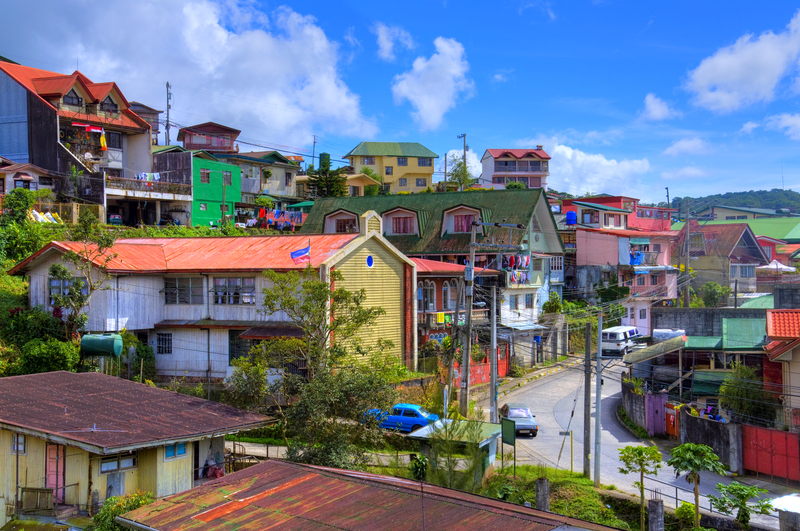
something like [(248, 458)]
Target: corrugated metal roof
[(787, 229), (176, 255), (282, 495), (433, 267), (765, 301), (64, 405), (654, 351), (704, 343), (598, 206), (743, 334), (392, 149), (515, 206)]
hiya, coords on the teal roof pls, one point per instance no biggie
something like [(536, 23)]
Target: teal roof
[(300, 205), (761, 211), (703, 343), (766, 301), (515, 206), (708, 382), (743, 334), (391, 149), (786, 229), (604, 208)]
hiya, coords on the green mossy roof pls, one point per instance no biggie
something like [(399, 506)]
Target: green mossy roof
[(391, 149), (786, 229), (513, 206)]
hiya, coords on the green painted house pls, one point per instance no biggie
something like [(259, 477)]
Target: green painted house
[(211, 179)]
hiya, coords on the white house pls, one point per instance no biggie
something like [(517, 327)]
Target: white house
[(530, 167)]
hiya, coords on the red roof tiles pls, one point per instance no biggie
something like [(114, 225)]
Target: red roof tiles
[(518, 153), (783, 324), (173, 255)]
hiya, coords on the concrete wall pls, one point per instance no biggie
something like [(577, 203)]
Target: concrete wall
[(701, 321), (787, 296), (633, 404), (724, 438)]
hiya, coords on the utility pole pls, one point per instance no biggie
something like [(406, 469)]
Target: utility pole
[(686, 238), (445, 172), (223, 206), (464, 159), (314, 153), (169, 97), (463, 396), (598, 387), (493, 357), (587, 401), (669, 205)]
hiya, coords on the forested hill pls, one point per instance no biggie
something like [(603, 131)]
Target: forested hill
[(775, 198)]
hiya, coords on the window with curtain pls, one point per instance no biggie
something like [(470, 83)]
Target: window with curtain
[(402, 225), (463, 223), (446, 295)]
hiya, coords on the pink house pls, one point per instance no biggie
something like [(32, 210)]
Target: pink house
[(769, 246), (638, 217)]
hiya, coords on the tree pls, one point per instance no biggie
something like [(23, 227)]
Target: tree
[(515, 186), (265, 202), (460, 174), (47, 356), (91, 264), (325, 182), (369, 172), (330, 421), (642, 460), (713, 292), (693, 459), (16, 204), (742, 392), (106, 518), (322, 312), (553, 304), (735, 497)]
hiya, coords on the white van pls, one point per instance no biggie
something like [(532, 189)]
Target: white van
[(619, 339)]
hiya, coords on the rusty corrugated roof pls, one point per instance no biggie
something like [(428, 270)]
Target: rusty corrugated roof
[(432, 267), (188, 255), (63, 406), (289, 496)]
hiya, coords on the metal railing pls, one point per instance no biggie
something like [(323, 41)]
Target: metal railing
[(521, 167), (120, 183)]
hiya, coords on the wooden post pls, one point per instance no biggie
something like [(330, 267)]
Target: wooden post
[(141, 371)]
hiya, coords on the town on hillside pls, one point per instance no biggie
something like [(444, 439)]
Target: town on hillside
[(203, 330)]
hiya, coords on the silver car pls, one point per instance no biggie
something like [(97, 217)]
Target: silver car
[(524, 420)]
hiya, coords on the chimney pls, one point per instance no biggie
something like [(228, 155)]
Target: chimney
[(540, 146)]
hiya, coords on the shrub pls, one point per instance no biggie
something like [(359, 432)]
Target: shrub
[(144, 362), (516, 371), (46, 356), (685, 515), (105, 519), (515, 186)]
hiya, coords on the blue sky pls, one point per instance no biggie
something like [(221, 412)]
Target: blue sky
[(627, 97)]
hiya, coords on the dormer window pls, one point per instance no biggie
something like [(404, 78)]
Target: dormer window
[(400, 221), (346, 226), (459, 220), (341, 222), (72, 98), (108, 105), (463, 222)]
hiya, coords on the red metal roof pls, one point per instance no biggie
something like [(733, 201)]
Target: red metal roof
[(173, 255), (518, 153), (629, 233), (282, 495), (783, 324), (64, 406), (432, 267)]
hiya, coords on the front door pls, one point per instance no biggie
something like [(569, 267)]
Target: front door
[(55, 470)]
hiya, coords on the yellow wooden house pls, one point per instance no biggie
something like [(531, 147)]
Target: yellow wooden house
[(68, 441)]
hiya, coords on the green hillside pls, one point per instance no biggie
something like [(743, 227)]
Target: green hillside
[(775, 198)]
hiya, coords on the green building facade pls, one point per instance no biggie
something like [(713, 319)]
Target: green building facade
[(211, 180)]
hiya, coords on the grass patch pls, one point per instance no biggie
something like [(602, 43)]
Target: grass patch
[(13, 293), (272, 441), (636, 429)]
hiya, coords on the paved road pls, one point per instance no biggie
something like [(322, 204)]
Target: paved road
[(553, 399)]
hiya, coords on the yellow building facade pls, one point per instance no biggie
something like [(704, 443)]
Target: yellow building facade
[(403, 166)]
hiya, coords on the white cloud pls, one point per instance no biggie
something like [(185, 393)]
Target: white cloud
[(388, 37), (746, 72), (276, 79), (687, 172), (657, 109), (748, 127), (501, 76), (350, 37), (590, 138), (433, 85), (688, 146), (473, 162), (788, 123), (576, 172)]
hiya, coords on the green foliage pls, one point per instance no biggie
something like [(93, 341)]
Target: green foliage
[(515, 186), (328, 403), (693, 459), (714, 294), (635, 428), (262, 201), (553, 304), (685, 515), (418, 467), (105, 519), (736, 497), (16, 204), (774, 199), (144, 361), (612, 292), (456, 458), (427, 190), (459, 174), (640, 460), (516, 371), (23, 326), (369, 172), (325, 182), (47, 355), (371, 190), (742, 392), (18, 240)]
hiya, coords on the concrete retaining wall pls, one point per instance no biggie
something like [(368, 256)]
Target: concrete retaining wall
[(701, 321), (724, 438), (634, 405)]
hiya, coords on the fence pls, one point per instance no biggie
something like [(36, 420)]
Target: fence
[(68, 212), (647, 410), (771, 452), (480, 373)]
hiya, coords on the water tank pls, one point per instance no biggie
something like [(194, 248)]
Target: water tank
[(101, 345), (324, 160), (572, 218)]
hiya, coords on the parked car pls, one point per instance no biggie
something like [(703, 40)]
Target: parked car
[(114, 219), (522, 417), (404, 417), (619, 339)]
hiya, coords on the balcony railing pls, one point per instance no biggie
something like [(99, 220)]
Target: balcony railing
[(521, 167), (642, 258), (119, 183), (431, 318)]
